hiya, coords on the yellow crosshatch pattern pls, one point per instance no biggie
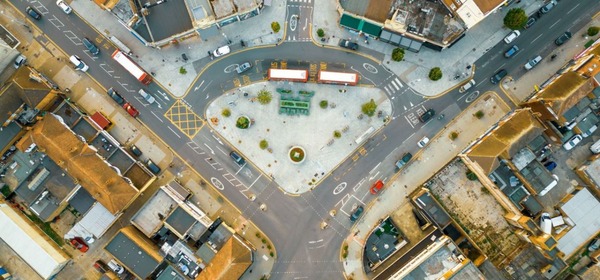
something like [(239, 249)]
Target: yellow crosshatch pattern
[(184, 118), (312, 73), (236, 82), (323, 66), (246, 80), (274, 64), (284, 64)]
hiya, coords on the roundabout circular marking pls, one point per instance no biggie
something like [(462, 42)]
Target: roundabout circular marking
[(472, 97), (339, 188), (217, 183), (230, 68), (369, 67)]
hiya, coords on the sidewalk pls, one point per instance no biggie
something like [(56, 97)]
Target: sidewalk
[(415, 68), (166, 62), (425, 164)]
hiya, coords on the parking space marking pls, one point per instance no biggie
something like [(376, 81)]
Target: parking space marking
[(195, 147), (274, 64), (246, 79), (283, 64), (56, 22), (323, 66), (236, 82)]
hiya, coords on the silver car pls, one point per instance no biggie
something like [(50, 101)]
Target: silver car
[(243, 67), (533, 62), (149, 98), (572, 142)]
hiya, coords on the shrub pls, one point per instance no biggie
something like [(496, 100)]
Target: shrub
[(453, 135), (264, 97), (275, 26), (258, 234), (398, 54), (320, 32), (515, 19), (471, 176), (323, 104), (369, 108), (337, 134), (479, 114), (182, 70), (226, 112), (5, 191), (263, 144), (271, 254), (345, 255), (264, 241), (435, 73), (242, 122), (593, 31)]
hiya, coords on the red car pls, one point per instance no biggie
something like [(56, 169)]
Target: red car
[(101, 266), (377, 187), (79, 244), (132, 111)]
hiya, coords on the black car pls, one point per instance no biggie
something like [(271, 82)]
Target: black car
[(348, 45), (90, 46), (135, 150), (359, 210), (425, 117), (115, 96), (563, 38), (33, 13), (237, 158), (530, 22), (498, 76), (403, 161), (153, 167)]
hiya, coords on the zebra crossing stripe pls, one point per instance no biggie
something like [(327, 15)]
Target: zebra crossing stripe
[(398, 81), (394, 84), (386, 89)]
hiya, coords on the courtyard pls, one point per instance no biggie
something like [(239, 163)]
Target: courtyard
[(303, 133)]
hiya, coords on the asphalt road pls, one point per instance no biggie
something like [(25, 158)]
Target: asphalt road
[(293, 223)]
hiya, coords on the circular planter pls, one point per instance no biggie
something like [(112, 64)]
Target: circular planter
[(297, 154), (243, 122)]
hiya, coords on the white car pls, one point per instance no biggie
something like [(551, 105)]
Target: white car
[(221, 51), (149, 98), (533, 62), (511, 36), (467, 86), (572, 142), (79, 64), (63, 6), (423, 142)]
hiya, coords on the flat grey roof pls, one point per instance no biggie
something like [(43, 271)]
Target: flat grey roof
[(433, 210), (180, 221), (82, 201), (582, 209), (150, 217), (131, 255)]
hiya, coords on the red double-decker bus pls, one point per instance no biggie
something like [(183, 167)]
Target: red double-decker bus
[(132, 67), (288, 75), (340, 78)]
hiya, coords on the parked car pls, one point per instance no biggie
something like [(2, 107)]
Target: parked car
[(498, 76), (20, 60), (237, 158), (423, 142), (550, 165), (467, 86), (425, 117), (79, 64), (530, 22), (149, 98), (348, 44), (135, 150), (533, 62), (243, 67), (114, 266), (132, 111), (153, 167), (115, 96), (356, 214), (512, 51), (403, 161), (79, 244), (375, 188), (546, 8), (512, 36), (594, 245), (572, 142), (63, 6), (90, 46), (589, 132), (221, 51), (32, 12), (563, 38), (101, 266)]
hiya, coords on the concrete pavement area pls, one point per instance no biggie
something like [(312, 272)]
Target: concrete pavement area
[(440, 151), (313, 132), (415, 67)]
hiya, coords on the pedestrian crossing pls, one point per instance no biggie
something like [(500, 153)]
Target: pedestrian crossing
[(393, 86), (293, 38), (299, 1)]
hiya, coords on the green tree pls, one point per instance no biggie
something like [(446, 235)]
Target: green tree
[(263, 144), (226, 112), (337, 134), (182, 70), (398, 54), (435, 73), (515, 19), (593, 31), (320, 32), (369, 108), (275, 26), (242, 122), (264, 97), (323, 104), (479, 114)]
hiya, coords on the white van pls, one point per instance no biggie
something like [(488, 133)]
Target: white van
[(79, 64), (595, 148), (114, 266)]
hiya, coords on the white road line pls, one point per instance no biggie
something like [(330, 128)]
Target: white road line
[(211, 150), (573, 8), (399, 83), (157, 117), (536, 38), (409, 122), (553, 25), (387, 90), (500, 67), (394, 84), (207, 86), (374, 168), (174, 132), (255, 181), (219, 148)]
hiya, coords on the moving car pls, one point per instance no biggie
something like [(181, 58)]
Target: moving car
[(467, 86), (149, 98), (498, 76), (79, 244), (348, 45), (533, 62), (115, 96), (425, 117), (563, 38), (423, 142), (243, 67), (221, 51), (63, 6), (356, 214), (546, 8), (90, 46), (20, 60), (572, 142), (32, 12), (403, 161), (79, 64), (512, 51), (512, 36), (376, 187), (530, 22), (237, 158), (132, 111)]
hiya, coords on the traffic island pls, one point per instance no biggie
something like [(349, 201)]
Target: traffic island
[(297, 154)]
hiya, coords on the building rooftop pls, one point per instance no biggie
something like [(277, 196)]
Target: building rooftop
[(180, 221), (564, 92), (137, 253), (433, 210), (232, 260), (151, 216), (582, 209)]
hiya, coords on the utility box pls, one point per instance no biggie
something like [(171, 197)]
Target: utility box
[(4, 275)]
